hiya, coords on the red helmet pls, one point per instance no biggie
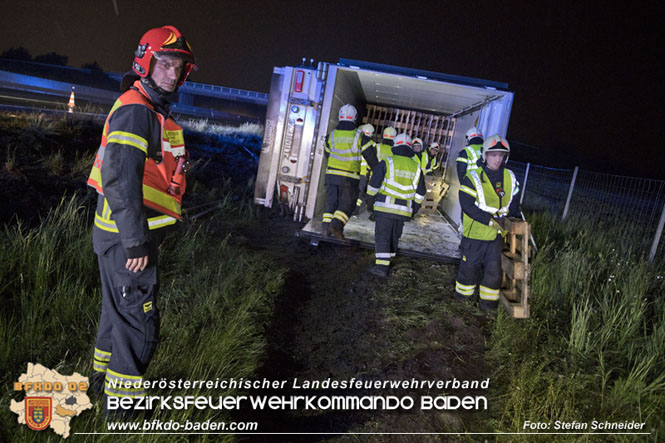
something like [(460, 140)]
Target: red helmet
[(164, 40)]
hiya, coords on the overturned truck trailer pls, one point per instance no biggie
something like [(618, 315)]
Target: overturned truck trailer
[(303, 107)]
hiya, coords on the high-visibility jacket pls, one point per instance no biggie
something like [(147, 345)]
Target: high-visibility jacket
[(432, 163), (384, 151), (344, 153), (159, 171), (398, 181), (468, 160), (486, 198), (422, 158), (364, 166)]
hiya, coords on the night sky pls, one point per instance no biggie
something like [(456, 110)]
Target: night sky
[(587, 76)]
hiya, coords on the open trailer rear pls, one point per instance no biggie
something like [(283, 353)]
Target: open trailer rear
[(302, 109)]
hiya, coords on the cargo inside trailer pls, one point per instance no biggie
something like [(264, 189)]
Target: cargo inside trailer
[(432, 109)]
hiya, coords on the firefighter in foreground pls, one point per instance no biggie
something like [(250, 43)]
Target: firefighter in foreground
[(398, 185), (139, 173), (468, 158), (343, 150), (488, 195)]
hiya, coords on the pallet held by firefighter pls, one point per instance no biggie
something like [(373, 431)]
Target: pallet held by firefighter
[(514, 294)]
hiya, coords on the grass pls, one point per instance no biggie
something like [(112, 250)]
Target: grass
[(215, 301), (215, 298), (593, 348)]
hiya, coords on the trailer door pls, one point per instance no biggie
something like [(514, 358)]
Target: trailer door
[(291, 132)]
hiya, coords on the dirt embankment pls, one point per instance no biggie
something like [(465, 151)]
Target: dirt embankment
[(335, 320)]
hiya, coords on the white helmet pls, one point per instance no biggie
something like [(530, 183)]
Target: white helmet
[(347, 113), (471, 134), (402, 140), (434, 147), (417, 141), (496, 143), (389, 133), (367, 129)]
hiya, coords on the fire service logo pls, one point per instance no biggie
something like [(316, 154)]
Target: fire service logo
[(38, 412)]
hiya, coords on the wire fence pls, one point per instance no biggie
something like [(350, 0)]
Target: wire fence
[(604, 200)]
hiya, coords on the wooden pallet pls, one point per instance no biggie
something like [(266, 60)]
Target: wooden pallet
[(514, 294)]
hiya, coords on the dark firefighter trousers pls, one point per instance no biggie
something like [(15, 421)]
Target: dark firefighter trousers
[(341, 196), (387, 231), (480, 266), (362, 194), (129, 322)]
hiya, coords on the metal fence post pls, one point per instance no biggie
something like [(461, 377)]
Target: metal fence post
[(526, 176), (656, 239), (570, 194)]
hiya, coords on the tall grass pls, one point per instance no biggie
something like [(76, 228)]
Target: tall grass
[(593, 348), (215, 301)]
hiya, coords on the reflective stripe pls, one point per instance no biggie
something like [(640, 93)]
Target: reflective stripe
[(348, 155), (160, 201), (392, 208), (488, 294), (127, 138), (464, 289), (102, 355), (121, 389), (101, 360), (339, 215), (382, 262), (344, 158), (367, 145), (153, 222), (383, 255), (342, 173), (371, 190), (480, 199), (118, 375), (327, 217), (390, 180), (468, 190), (513, 179)]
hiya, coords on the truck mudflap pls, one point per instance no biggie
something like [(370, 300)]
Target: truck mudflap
[(430, 236)]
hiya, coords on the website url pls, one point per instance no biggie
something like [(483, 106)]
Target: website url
[(175, 426)]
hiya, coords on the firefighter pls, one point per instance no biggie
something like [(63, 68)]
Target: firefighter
[(384, 150), (139, 174), (432, 162), (488, 195), (469, 156), (367, 145), (421, 157), (398, 188), (343, 151)]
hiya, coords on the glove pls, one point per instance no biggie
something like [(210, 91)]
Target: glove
[(500, 221), (416, 208)]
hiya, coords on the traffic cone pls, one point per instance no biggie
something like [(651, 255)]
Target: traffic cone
[(71, 105)]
